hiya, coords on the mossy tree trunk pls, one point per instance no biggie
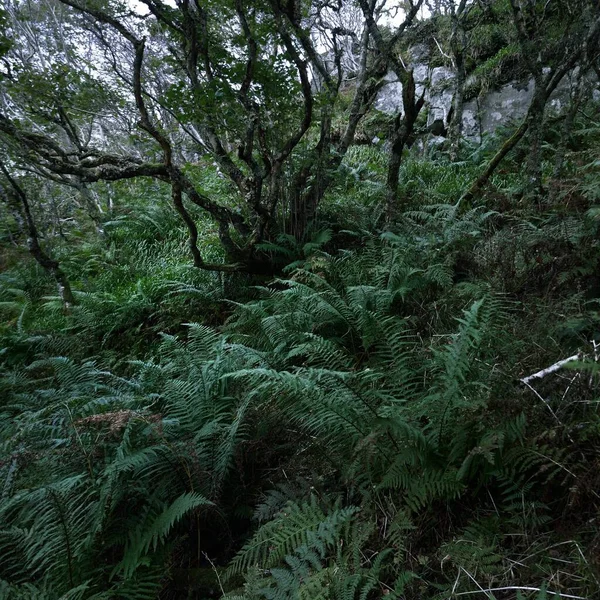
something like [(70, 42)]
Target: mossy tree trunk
[(458, 46), (403, 128)]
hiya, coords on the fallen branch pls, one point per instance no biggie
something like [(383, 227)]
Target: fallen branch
[(552, 368)]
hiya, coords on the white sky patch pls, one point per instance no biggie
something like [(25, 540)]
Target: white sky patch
[(142, 10), (393, 15)]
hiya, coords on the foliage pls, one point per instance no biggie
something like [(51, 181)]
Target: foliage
[(344, 375), (354, 423)]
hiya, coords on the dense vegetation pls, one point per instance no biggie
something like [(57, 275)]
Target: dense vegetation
[(352, 388)]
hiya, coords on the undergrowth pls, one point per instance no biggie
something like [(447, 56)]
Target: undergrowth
[(353, 429)]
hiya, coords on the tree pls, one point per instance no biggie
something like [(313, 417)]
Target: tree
[(236, 84), (548, 57), (404, 122), (458, 45)]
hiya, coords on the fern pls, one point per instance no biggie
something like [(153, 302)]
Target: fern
[(149, 536), (294, 527)]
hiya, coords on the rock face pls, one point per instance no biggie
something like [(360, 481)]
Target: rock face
[(482, 115), (389, 99), (441, 93)]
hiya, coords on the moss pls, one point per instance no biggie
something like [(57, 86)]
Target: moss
[(376, 124)]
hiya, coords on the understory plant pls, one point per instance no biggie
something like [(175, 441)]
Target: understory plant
[(366, 406)]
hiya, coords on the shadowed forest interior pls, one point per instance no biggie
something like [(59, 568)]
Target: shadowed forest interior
[(299, 299)]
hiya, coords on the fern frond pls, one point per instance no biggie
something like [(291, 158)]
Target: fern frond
[(297, 525)]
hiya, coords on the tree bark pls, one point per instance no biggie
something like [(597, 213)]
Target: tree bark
[(458, 44), (403, 128)]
